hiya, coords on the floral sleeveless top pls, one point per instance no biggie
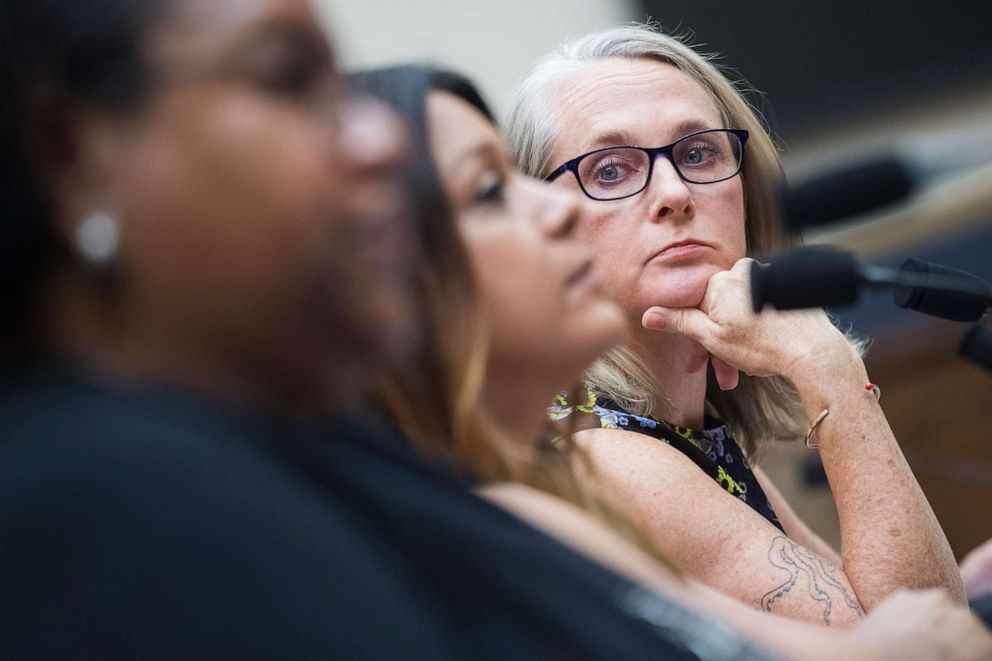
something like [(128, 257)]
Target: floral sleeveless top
[(713, 449)]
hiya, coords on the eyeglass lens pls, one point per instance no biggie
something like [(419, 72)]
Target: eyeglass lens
[(622, 171)]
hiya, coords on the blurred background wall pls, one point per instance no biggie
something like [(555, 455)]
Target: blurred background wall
[(837, 78), (493, 42)]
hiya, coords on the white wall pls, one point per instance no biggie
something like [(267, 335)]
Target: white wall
[(492, 42)]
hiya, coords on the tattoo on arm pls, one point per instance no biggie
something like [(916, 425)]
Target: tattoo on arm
[(808, 572)]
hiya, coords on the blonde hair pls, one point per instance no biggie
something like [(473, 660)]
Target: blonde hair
[(760, 409)]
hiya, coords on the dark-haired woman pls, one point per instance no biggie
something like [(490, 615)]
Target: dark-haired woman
[(193, 265)]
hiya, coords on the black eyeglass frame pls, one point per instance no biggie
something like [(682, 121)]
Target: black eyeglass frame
[(653, 154)]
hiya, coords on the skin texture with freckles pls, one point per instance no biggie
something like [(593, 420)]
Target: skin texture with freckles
[(649, 104), (703, 318)]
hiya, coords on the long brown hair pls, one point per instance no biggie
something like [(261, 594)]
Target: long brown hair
[(436, 398)]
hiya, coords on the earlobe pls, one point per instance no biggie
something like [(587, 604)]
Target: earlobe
[(96, 239), (85, 197)]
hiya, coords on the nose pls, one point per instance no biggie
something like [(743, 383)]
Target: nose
[(557, 212), (670, 196), (371, 135)]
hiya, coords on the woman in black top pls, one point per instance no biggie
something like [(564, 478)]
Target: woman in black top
[(203, 254), (166, 310)]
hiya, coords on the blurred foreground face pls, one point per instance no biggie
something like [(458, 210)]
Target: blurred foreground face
[(262, 223), (539, 288)]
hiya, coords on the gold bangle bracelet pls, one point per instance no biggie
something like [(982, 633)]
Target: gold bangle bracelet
[(810, 442)]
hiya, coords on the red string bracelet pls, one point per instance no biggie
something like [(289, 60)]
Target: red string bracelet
[(875, 390)]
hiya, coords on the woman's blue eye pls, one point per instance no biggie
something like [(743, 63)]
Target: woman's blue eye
[(610, 172), (699, 154)]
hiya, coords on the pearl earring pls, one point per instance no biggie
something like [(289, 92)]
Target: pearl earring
[(97, 238)]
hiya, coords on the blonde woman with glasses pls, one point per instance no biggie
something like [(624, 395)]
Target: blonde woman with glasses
[(678, 177)]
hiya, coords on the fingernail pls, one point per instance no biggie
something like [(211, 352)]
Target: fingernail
[(654, 320)]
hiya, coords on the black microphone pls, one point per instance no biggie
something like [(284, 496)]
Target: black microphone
[(981, 606), (821, 277), (806, 278), (976, 345), (847, 190), (969, 302), (870, 181)]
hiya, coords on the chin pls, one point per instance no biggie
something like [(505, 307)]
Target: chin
[(674, 286), (683, 291)]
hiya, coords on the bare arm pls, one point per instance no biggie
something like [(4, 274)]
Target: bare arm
[(573, 527), (890, 537), (794, 527), (917, 626), (718, 539)]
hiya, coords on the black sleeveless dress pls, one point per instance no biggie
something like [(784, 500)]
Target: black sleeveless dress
[(713, 449)]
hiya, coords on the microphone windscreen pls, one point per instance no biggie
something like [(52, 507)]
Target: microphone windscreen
[(806, 278), (842, 192), (976, 345), (968, 304)]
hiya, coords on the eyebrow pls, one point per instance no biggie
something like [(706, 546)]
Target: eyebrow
[(278, 29), (285, 30), (481, 151), (620, 137)]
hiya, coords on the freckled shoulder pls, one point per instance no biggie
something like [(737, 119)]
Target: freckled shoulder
[(640, 459)]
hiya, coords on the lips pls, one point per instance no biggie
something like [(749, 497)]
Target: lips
[(684, 247)]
